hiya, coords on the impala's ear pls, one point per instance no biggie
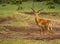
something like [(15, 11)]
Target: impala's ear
[(39, 10)]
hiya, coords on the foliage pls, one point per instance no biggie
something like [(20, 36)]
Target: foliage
[(19, 1), (19, 8), (50, 4), (57, 1)]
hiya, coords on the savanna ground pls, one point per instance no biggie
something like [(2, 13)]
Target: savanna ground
[(19, 27)]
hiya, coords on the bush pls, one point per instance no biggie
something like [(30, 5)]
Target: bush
[(50, 3), (3, 5), (19, 8), (57, 1), (51, 7)]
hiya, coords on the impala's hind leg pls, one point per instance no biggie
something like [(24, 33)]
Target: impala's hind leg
[(50, 28), (51, 34)]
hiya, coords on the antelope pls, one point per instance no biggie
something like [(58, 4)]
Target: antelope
[(42, 23)]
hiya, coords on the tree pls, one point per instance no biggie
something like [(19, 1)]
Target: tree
[(57, 1), (50, 4), (19, 3)]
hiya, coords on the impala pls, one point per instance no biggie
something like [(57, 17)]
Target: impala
[(42, 23)]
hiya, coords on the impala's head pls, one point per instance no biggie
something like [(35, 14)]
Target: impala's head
[(36, 12)]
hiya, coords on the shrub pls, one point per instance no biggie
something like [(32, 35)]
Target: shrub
[(51, 7), (3, 5)]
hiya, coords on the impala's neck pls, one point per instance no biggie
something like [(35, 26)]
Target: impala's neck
[(36, 16)]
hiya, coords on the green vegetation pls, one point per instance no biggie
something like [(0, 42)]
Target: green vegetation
[(25, 41), (2, 28), (9, 9)]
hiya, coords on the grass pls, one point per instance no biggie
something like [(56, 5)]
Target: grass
[(27, 41), (2, 28)]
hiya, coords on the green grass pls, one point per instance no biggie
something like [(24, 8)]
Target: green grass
[(2, 28), (26, 41)]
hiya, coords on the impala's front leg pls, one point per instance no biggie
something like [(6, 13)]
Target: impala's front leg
[(40, 30)]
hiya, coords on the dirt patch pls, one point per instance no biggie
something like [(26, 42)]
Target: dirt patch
[(6, 18), (30, 33)]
